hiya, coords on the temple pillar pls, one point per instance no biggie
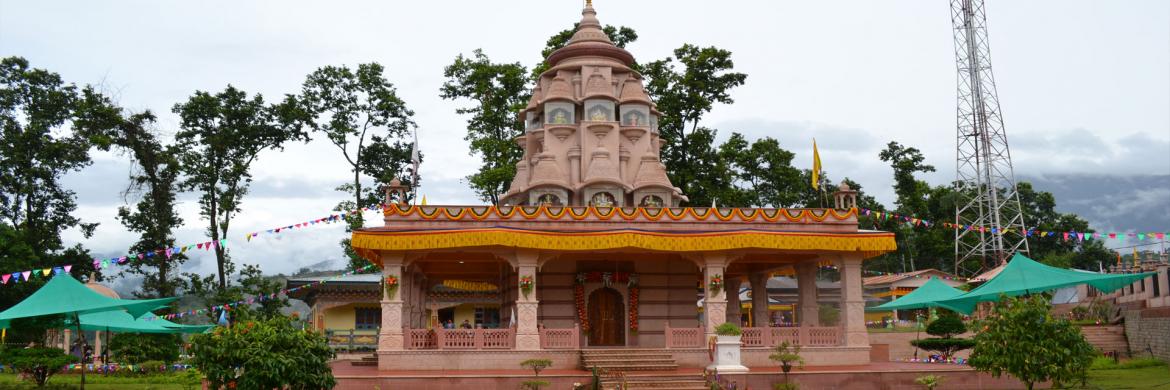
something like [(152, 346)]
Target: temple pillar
[(852, 303), (806, 287), (527, 335), (760, 315), (1163, 277), (734, 306), (390, 336), (714, 301)]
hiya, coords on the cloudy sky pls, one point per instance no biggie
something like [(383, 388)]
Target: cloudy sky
[(1084, 86)]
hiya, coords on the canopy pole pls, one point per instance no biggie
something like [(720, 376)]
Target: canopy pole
[(77, 320)]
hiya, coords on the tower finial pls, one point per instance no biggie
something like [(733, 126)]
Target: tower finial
[(589, 3)]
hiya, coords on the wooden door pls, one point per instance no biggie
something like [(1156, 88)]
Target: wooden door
[(607, 317)]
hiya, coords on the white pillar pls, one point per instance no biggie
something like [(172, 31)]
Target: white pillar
[(714, 302), (390, 337), (760, 313), (852, 303), (527, 334), (806, 283)]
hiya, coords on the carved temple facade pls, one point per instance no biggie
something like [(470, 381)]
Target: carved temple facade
[(589, 249)]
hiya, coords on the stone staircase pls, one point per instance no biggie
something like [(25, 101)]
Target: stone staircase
[(640, 369), (1107, 338), (367, 361)]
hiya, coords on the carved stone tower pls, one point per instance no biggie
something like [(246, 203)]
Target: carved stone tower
[(591, 132)]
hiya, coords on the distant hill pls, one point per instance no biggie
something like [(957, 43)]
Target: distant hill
[(1111, 202)]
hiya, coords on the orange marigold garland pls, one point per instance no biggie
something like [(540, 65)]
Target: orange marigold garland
[(579, 298), (633, 285), (391, 284)]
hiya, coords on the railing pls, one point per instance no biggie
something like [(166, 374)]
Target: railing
[(684, 337), (352, 340), (770, 337), (568, 338), (460, 338)]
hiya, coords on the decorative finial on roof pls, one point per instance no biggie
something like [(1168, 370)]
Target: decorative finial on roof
[(589, 3)]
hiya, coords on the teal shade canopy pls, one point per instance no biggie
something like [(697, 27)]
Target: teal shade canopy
[(65, 295), (926, 296), (1022, 276)]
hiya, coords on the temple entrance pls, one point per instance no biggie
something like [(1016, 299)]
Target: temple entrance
[(606, 318)]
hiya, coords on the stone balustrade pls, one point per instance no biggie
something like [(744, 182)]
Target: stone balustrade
[(566, 338), (460, 339), (809, 336), (684, 337)]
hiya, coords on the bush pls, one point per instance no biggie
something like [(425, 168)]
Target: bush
[(38, 363), (535, 384), (785, 386), (1023, 339), (946, 326), (268, 354), (786, 354), (1107, 363), (930, 381), (536, 365), (131, 348), (728, 329)]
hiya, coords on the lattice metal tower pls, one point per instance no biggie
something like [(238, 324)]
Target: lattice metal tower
[(985, 184)]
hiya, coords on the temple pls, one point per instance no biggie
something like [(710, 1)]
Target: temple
[(589, 249)]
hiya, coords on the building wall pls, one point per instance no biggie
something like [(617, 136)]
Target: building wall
[(342, 317)]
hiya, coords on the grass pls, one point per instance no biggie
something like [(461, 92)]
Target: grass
[(1150, 377), (98, 382)]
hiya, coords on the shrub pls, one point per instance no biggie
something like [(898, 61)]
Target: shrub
[(38, 363), (828, 315), (537, 365), (131, 348), (930, 381), (1023, 339), (1107, 363), (728, 329), (268, 354), (786, 354), (785, 386), (534, 384), (945, 327)]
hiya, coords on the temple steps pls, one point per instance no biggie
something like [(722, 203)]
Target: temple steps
[(656, 380), (367, 361), (640, 369), (1107, 338)]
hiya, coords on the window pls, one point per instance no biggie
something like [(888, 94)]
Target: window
[(487, 317), (558, 113), (367, 318), (602, 199), (599, 110)]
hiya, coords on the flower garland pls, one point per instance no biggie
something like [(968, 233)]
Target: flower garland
[(526, 284), (716, 284), (633, 285), (391, 286), (469, 286), (579, 298)]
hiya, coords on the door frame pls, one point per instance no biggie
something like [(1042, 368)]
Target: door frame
[(623, 294)]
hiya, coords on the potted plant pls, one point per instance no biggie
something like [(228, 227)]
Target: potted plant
[(537, 365), (727, 345)]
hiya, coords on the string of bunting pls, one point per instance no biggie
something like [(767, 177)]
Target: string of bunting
[(262, 298), (1066, 236), (918, 275), (100, 263)]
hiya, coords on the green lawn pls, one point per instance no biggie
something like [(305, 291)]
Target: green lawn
[(910, 329), (1133, 378), (98, 382)]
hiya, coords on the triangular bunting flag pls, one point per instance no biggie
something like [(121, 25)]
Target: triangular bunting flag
[(68, 267), (26, 274)]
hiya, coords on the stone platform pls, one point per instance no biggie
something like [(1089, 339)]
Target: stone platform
[(876, 376)]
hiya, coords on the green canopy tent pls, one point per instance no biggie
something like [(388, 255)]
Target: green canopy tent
[(925, 296), (180, 328), (1022, 276), (64, 295)]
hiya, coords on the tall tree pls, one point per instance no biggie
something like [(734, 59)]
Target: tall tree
[(763, 172), (45, 133), (684, 96), (497, 91), (906, 161), (360, 113), (155, 181), (221, 136)]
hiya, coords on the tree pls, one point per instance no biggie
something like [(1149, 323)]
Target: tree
[(684, 96), (39, 363), (906, 161), (221, 136), (267, 354), (155, 179), (786, 354), (133, 348), (46, 131), (498, 91), (946, 327), (351, 108), (763, 173), (1023, 339), (261, 293)]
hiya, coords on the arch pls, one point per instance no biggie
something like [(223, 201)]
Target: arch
[(607, 318)]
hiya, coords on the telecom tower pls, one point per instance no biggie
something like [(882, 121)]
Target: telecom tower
[(987, 200)]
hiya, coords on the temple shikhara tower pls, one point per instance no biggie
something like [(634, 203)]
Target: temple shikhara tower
[(591, 131), (590, 251)]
